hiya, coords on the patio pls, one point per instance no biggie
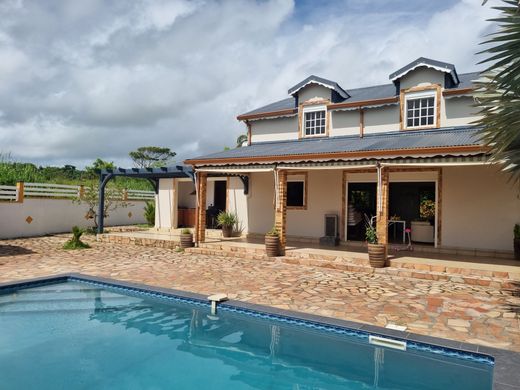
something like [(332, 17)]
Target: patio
[(482, 314), (423, 262)]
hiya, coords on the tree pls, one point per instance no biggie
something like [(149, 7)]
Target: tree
[(92, 171), (498, 90), (152, 156), (241, 139)]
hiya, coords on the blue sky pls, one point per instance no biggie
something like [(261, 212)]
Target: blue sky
[(81, 80)]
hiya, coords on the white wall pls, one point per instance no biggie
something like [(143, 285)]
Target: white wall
[(479, 208), (165, 204), (58, 216), (458, 111), (422, 76), (187, 197), (277, 129), (260, 206), (237, 202)]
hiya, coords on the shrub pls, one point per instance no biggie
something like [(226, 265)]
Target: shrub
[(516, 231), (75, 242), (226, 219), (149, 213), (273, 232), (185, 231), (370, 232)]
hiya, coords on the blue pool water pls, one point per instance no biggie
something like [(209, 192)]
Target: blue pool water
[(77, 335)]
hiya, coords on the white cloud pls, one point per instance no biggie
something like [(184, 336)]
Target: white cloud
[(97, 79)]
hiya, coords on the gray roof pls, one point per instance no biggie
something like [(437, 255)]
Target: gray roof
[(331, 84), (395, 140), (359, 94), (422, 61)]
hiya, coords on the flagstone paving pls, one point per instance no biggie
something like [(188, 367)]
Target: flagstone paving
[(469, 313)]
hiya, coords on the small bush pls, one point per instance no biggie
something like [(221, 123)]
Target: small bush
[(273, 232), (185, 231), (75, 242), (149, 213), (226, 219)]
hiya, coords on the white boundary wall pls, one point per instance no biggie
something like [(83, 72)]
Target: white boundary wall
[(58, 216)]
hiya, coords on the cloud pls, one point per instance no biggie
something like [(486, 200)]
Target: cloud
[(81, 80)]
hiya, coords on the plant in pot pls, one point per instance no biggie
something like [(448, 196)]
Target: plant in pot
[(272, 242), (376, 251), (227, 221), (186, 238), (516, 233)]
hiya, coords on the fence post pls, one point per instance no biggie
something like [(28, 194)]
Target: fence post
[(19, 192), (81, 191), (125, 194)]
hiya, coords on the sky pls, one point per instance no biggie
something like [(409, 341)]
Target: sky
[(86, 79)]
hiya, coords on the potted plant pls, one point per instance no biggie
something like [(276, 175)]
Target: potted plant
[(272, 242), (186, 238), (227, 221), (376, 251), (517, 241)]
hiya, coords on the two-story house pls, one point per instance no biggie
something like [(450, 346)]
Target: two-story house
[(404, 154)]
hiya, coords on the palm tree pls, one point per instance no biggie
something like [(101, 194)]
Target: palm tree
[(498, 90), (241, 139)]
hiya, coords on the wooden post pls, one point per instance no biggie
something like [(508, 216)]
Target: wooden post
[(19, 192), (125, 194), (280, 220), (200, 228), (382, 212), (81, 191)]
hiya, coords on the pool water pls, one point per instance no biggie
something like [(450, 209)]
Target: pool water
[(76, 335)]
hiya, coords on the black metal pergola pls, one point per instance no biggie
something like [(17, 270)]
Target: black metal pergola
[(151, 174)]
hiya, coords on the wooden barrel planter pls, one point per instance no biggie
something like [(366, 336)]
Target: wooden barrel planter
[(377, 255), (227, 231), (186, 240), (272, 245)]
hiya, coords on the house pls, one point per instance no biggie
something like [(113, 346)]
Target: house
[(319, 163)]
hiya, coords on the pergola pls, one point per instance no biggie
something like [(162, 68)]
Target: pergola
[(151, 174)]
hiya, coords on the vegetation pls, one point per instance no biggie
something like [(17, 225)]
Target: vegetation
[(75, 242), (241, 139), (185, 231), (149, 213), (12, 171), (227, 219), (273, 232), (113, 200), (498, 93), (370, 232), (152, 156), (516, 231)]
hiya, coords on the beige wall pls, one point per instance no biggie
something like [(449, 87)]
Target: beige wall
[(382, 119), (278, 129), (344, 123), (422, 76), (166, 204), (313, 92), (260, 208), (479, 208), (458, 111), (186, 199)]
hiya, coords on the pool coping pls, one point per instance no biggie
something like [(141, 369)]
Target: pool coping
[(506, 372)]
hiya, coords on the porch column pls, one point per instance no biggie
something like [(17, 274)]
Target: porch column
[(200, 226), (382, 206), (280, 220)]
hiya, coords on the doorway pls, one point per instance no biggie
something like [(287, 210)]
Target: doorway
[(219, 197), (362, 198)]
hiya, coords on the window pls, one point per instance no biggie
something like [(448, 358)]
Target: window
[(420, 111), (296, 191), (314, 121)]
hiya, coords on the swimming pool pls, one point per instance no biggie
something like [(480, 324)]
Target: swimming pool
[(76, 333)]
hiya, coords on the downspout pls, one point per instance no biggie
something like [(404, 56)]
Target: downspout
[(379, 192)]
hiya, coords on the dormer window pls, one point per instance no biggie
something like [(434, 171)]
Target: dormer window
[(420, 110), (314, 121)]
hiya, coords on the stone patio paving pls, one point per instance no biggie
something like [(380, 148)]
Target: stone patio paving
[(469, 313)]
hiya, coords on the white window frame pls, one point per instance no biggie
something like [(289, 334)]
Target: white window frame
[(420, 95), (310, 109)]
